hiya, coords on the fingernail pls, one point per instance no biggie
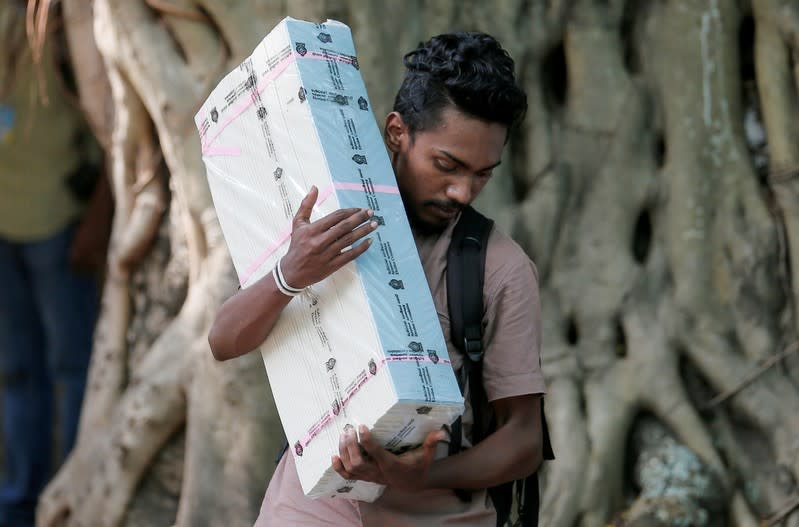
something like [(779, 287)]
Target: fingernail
[(373, 224), (363, 429), (370, 212)]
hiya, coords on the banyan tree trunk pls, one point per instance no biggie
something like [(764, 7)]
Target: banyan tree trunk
[(654, 183)]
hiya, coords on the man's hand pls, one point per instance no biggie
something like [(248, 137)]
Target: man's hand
[(368, 461), (320, 248)]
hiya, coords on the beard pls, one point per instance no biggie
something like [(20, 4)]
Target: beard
[(441, 214)]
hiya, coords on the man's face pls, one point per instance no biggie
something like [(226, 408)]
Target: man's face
[(443, 169)]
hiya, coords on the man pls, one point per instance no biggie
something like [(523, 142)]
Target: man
[(451, 120)]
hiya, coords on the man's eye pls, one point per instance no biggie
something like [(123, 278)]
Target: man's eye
[(444, 167)]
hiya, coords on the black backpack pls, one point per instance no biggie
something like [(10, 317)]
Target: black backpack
[(465, 271)]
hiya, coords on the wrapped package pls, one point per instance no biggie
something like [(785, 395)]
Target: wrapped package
[(364, 346)]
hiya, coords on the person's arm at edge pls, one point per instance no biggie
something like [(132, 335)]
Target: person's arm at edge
[(89, 248)]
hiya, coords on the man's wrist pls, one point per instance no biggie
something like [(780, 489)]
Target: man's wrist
[(289, 274), (433, 477)]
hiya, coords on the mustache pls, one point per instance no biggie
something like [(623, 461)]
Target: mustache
[(444, 204)]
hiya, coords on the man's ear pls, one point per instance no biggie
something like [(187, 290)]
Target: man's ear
[(396, 132)]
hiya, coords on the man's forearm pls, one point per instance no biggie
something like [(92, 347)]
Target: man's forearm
[(246, 319), (512, 452)]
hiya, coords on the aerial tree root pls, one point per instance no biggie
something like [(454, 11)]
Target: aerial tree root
[(692, 244)]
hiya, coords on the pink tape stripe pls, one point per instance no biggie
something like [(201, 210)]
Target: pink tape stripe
[(222, 151), (330, 415), (382, 189), (268, 78), (326, 193), (281, 239), (285, 235)]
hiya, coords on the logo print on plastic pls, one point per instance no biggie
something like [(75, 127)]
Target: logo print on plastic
[(325, 37), (379, 220), (433, 356), (362, 104), (261, 113), (250, 82), (336, 407), (372, 367), (344, 490), (360, 159), (214, 114), (396, 284), (301, 94), (278, 173), (415, 346), (340, 99), (301, 49), (298, 448), (330, 364), (424, 410), (355, 63)]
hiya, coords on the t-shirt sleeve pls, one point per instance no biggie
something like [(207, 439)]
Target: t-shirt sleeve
[(512, 319)]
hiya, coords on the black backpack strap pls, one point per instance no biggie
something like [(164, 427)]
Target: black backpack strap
[(527, 490), (549, 454), (502, 499), (465, 271), (282, 452)]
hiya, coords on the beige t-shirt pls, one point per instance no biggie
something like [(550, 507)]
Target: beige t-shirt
[(511, 367)]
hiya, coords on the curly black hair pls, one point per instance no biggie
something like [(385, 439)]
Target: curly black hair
[(470, 71)]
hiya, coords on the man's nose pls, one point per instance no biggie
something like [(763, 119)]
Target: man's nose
[(460, 191)]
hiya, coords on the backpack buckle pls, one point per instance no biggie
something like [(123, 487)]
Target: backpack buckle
[(473, 343)]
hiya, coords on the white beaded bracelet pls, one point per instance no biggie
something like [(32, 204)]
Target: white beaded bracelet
[(279, 284), (283, 278), (280, 281)]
